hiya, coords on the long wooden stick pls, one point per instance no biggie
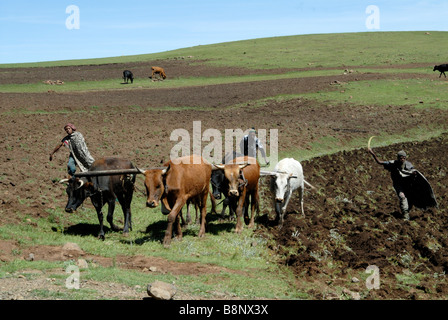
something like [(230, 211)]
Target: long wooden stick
[(114, 172)]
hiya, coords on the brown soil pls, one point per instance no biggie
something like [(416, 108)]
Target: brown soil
[(353, 222)]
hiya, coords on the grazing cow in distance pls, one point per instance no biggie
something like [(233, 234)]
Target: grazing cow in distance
[(442, 68), (241, 177), (158, 70), (127, 75), (102, 190), (287, 178), (184, 180)]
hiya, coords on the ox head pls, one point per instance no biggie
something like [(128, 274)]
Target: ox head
[(233, 174), (77, 191), (280, 186), (155, 187)]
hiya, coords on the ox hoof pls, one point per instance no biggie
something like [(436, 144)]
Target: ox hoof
[(101, 237)]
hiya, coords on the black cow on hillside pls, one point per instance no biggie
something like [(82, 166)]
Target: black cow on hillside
[(127, 75), (442, 68), (102, 190)]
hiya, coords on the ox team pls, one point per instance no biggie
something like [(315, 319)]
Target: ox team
[(177, 183), (186, 181)]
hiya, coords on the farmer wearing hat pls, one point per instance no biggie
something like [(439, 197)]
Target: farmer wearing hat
[(79, 154), (401, 172), (250, 144)]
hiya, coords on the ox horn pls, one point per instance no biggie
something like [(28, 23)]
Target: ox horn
[(81, 184), (267, 173), (370, 140), (219, 166), (141, 171), (64, 181), (242, 166)]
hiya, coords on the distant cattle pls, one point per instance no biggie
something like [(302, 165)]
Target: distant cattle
[(127, 75), (441, 68), (287, 178), (241, 177), (158, 70), (102, 190), (184, 180)]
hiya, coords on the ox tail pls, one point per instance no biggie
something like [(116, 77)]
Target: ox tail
[(309, 184)]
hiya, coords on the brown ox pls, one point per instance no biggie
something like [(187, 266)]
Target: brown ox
[(185, 180), (241, 176), (159, 71)]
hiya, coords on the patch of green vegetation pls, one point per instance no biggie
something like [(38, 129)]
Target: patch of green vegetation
[(325, 146), (115, 84), (300, 51), (421, 93)]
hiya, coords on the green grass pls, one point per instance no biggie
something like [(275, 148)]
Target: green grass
[(302, 51), (328, 145), (421, 93), (115, 84), (245, 257)]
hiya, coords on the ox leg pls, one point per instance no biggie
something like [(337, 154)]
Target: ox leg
[(100, 215), (187, 221), (255, 208), (110, 215), (301, 200), (178, 225), (233, 205), (213, 200), (98, 204), (239, 212), (126, 208), (197, 217), (225, 203), (246, 209), (203, 212), (171, 219)]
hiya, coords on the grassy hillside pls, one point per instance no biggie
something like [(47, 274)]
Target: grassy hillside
[(303, 51)]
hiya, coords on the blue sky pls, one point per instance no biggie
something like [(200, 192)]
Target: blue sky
[(37, 30)]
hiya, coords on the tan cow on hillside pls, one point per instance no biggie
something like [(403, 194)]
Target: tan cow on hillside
[(158, 70)]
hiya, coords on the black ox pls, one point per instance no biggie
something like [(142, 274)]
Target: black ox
[(127, 75), (441, 68), (102, 190), (219, 185)]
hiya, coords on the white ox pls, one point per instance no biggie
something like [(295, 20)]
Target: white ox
[(286, 178)]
